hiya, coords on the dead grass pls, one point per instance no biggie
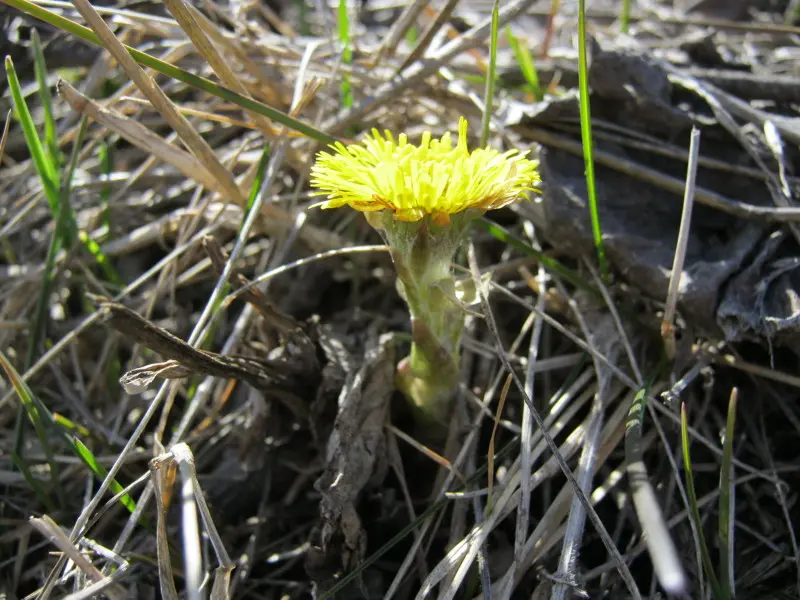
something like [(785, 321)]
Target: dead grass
[(256, 447)]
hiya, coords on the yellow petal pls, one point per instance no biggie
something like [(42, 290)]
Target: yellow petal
[(432, 178)]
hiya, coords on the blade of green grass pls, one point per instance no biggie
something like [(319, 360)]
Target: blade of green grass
[(105, 153), (726, 501), (172, 71), (46, 170), (586, 139), (59, 239), (100, 472), (694, 509), (46, 98), (48, 174), (625, 16), (46, 159), (36, 417), (69, 425), (412, 35), (491, 77), (101, 259), (346, 90), (526, 64)]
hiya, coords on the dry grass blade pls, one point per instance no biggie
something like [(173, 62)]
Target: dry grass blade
[(562, 464), (192, 501), (392, 89), (716, 98), (272, 92), (4, 136), (526, 445), (277, 220), (147, 85), (666, 562), (141, 137), (427, 36), (427, 452), (667, 323), (588, 461), (399, 29), (206, 48), (490, 452), (163, 482), (50, 529), (194, 113)]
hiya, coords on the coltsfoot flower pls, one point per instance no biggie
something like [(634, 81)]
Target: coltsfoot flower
[(422, 199), (412, 181)]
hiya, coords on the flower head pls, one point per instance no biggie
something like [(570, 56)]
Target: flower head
[(412, 181)]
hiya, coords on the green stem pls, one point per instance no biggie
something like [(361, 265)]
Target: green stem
[(423, 252)]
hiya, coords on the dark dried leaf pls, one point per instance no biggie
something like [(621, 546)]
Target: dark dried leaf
[(355, 457)]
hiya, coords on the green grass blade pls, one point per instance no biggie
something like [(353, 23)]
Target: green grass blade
[(37, 418), (46, 98), (526, 64), (586, 139), (101, 259), (726, 501), (100, 472), (105, 152), (694, 509), (44, 167), (172, 71), (412, 35), (625, 16), (346, 89), (258, 180), (793, 15), (69, 425), (491, 77)]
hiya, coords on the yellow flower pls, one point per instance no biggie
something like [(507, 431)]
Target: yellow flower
[(433, 178)]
